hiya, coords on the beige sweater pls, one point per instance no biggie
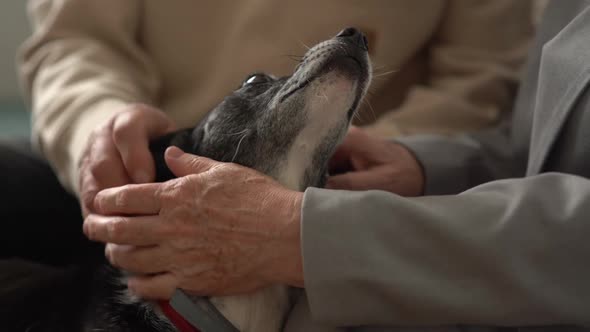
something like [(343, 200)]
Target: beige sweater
[(456, 62)]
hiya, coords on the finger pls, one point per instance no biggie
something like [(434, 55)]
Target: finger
[(131, 133), (157, 287), (183, 164), (139, 260), (340, 161), (354, 143), (137, 231), (102, 168), (132, 199), (373, 179)]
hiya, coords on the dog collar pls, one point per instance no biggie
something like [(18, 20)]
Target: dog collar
[(175, 318), (195, 313)]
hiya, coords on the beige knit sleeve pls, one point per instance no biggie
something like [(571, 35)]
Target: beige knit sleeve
[(473, 70), (81, 65)]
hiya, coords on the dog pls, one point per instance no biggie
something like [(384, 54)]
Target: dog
[(285, 127)]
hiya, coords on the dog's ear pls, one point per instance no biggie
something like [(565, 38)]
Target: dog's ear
[(182, 139)]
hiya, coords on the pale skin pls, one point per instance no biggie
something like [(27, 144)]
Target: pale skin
[(222, 229), (117, 153)]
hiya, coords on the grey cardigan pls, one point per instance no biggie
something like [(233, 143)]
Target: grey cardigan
[(502, 237)]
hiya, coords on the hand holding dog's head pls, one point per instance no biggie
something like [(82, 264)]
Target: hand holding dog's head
[(288, 127)]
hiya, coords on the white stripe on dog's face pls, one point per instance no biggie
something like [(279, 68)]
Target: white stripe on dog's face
[(327, 100)]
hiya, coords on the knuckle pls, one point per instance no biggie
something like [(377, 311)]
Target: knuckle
[(187, 181), (122, 130), (146, 112), (140, 107), (97, 165), (102, 129), (117, 228), (178, 187), (166, 192), (99, 171), (87, 197), (195, 163), (171, 196), (123, 198)]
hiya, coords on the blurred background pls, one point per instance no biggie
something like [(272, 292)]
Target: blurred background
[(14, 28)]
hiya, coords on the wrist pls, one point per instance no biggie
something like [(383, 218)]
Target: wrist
[(410, 169), (286, 263)]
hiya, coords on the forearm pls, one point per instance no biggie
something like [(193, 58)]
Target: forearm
[(81, 66), (510, 252)]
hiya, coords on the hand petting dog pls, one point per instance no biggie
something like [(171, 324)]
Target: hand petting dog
[(218, 229), (118, 154), (223, 229), (363, 162)]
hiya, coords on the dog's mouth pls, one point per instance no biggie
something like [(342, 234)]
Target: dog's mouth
[(346, 64), (341, 55)]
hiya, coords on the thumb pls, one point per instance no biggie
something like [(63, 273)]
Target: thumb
[(361, 180), (352, 147), (183, 164), (160, 286)]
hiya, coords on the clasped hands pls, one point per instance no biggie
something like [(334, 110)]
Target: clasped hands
[(219, 228)]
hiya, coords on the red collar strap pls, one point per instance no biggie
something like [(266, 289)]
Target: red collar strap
[(179, 322)]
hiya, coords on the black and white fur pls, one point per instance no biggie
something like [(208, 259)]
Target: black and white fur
[(285, 127)]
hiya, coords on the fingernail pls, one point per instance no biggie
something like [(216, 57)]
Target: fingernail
[(174, 152), (85, 229), (141, 177), (131, 286), (88, 231)]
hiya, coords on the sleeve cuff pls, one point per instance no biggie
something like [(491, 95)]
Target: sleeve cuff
[(445, 163), (320, 249)]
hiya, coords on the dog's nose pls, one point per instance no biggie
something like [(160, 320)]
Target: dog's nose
[(356, 35)]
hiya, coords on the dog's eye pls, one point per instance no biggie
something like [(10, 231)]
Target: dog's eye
[(257, 78)]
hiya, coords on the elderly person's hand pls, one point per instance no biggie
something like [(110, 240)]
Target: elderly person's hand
[(117, 153), (363, 162), (218, 229)]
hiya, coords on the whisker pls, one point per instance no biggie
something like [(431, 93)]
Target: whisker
[(238, 133), (377, 67), (366, 100), (370, 90), (304, 45), (323, 94), (297, 58), (385, 73), (357, 115), (238, 147), (294, 56), (343, 49)]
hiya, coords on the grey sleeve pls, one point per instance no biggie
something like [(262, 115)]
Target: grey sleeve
[(509, 252), (454, 164)]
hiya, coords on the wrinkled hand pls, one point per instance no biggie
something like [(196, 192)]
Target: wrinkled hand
[(218, 229), (362, 162), (117, 153)]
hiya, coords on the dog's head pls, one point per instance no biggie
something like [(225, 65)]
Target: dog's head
[(288, 127)]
